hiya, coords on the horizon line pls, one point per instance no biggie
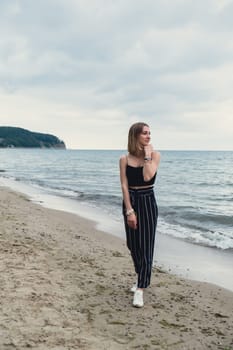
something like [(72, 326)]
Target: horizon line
[(161, 149)]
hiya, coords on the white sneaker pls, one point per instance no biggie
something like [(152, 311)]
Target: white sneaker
[(138, 298), (134, 288)]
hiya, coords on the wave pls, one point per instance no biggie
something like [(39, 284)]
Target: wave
[(222, 198), (105, 199), (213, 239), (190, 214)]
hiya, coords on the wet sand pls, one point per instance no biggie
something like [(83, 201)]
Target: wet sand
[(65, 285)]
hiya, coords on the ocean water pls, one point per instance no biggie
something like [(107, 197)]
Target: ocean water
[(194, 189)]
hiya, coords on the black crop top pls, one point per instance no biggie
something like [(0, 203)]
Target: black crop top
[(135, 177)]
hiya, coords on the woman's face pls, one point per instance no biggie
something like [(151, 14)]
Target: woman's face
[(144, 137)]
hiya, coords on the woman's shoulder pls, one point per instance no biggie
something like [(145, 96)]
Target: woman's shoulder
[(156, 155), (124, 157), (123, 163)]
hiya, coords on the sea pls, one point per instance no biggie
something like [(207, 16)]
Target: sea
[(193, 189)]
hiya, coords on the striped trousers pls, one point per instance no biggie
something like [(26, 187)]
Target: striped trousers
[(141, 241)]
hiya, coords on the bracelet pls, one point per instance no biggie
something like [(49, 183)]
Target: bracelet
[(147, 158), (129, 212)]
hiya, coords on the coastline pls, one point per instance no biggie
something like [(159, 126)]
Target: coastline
[(179, 257), (65, 286)]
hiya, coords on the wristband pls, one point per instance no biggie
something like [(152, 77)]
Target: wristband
[(129, 212)]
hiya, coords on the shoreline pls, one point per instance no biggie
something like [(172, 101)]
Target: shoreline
[(65, 285), (174, 255)]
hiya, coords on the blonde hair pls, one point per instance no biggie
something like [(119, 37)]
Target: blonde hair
[(134, 131)]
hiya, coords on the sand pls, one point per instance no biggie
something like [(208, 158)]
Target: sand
[(65, 285)]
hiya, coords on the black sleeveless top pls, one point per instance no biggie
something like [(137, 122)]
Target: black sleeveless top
[(135, 177)]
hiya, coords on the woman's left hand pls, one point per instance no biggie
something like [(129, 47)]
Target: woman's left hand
[(148, 149)]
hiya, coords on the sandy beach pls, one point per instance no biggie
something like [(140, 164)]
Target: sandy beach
[(65, 285)]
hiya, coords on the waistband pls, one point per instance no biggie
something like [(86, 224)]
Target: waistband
[(141, 190)]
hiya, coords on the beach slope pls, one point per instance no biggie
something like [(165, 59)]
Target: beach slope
[(65, 285)]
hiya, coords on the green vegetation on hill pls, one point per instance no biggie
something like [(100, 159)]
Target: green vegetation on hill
[(18, 137)]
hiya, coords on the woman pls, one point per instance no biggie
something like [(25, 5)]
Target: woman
[(137, 174)]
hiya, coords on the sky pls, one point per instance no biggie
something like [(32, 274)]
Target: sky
[(85, 70)]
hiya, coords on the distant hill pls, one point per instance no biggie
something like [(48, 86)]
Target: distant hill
[(18, 137)]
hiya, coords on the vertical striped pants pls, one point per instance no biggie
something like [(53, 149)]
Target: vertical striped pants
[(141, 241)]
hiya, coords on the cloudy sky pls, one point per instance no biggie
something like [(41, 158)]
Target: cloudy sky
[(85, 70)]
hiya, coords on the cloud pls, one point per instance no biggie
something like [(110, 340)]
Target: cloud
[(102, 65)]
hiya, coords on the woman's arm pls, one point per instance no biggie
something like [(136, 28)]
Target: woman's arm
[(131, 219), (151, 163)]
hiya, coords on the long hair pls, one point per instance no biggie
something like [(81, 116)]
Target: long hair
[(134, 131)]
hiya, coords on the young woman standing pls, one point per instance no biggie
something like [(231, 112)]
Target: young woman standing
[(138, 171)]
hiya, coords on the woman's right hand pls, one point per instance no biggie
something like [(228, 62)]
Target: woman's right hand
[(132, 221)]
